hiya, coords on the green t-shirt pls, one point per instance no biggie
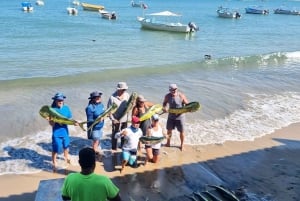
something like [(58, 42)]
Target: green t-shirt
[(90, 187)]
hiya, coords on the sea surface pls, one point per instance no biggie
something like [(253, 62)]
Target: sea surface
[(248, 88)]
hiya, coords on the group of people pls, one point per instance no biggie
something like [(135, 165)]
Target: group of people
[(129, 135)]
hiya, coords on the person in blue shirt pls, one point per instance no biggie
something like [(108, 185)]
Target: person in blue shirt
[(93, 110), (60, 132)]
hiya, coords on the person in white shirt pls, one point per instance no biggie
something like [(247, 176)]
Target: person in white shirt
[(131, 144), (152, 151)]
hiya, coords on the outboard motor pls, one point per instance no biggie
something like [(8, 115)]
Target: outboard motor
[(237, 15), (193, 27)]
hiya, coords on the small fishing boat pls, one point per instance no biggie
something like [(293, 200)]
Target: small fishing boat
[(92, 7), (256, 10), (162, 21), (137, 5), (108, 15), (27, 7), (286, 11), (228, 13), (40, 3), (72, 11)]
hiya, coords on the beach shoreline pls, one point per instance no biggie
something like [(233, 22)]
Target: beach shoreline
[(267, 167)]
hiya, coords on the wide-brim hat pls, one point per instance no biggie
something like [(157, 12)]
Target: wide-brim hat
[(141, 98), (122, 85), (95, 94), (59, 96)]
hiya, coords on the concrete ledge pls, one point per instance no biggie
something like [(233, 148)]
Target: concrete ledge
[(49, 190)]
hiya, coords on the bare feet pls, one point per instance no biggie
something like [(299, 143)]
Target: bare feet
[(54, 169), (167, 144)]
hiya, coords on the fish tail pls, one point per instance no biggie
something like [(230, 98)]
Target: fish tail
[(81, 125)]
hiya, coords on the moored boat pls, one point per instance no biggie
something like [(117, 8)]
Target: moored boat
[(256, 10), (27, 7), (153, 23), (92, 7), (108, 15), (72, 11), (39, 3), (228, 13), (286, 11)]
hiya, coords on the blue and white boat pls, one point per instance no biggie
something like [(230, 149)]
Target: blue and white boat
[(228, 13), (286, 11), (27, 7), (256, 10)]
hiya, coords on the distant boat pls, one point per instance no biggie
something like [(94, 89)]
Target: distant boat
[(92, 7), (40, 3), (72, 11), (286, 11), (27, 7), (108, 15), (140, 4), (228, 13), (256, 10), (76, 3), (153, 23)]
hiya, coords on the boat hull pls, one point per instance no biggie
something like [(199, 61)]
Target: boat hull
[(286, 12), (108, 15), (91, 7), (170, 27), (27, 7), (261, 11), (228, 14)]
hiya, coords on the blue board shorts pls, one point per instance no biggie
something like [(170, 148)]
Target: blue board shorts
[(129, 156), (95, 134), (60, 143)]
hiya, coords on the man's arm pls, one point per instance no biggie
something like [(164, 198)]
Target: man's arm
[(116, 198)]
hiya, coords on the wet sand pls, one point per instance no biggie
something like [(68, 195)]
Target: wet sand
[(268, 167)]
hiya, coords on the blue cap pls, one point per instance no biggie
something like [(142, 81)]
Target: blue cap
[(59, 96)]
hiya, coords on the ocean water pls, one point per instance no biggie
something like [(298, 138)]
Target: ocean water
[(248, 89)]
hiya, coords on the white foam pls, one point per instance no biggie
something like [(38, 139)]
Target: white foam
[(264, 114)]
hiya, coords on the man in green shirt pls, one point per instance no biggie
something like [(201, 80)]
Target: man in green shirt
[(86, 185)]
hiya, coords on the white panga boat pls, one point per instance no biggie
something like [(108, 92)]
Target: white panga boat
[(27, 7), (40, 3), (108, 15), (161, 21), (92, 7), (228, 13)]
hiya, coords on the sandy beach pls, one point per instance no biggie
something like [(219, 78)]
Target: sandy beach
[(268, 167)]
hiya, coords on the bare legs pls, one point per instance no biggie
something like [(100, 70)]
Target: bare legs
[(169, 134), (54, 156), (150, 157)]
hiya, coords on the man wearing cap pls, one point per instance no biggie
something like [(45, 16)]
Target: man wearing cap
[(119, 97), (86, 185), (93, 110), (140, 108), (155, 130), (175, 99), (131, 146), (60, 132)]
